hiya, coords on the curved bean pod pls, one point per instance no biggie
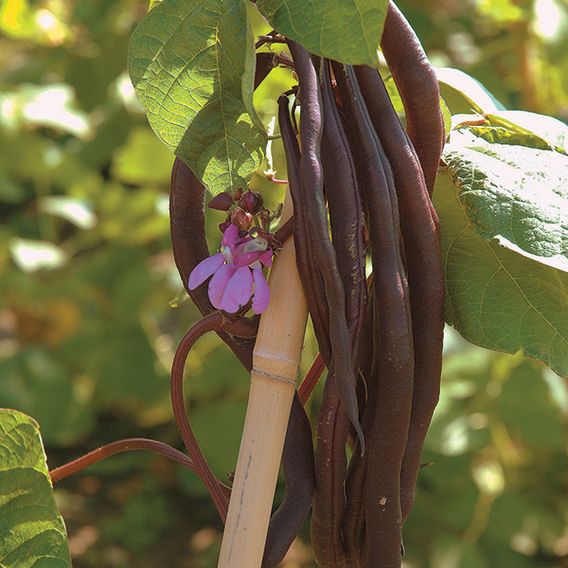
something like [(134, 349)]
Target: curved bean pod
[(313, 203), (298, 457), (345, 209), (393, 370), (309, 274), (418, 87), (425, 272), (346, 220)]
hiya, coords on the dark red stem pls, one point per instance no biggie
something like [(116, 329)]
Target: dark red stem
[(311, 379), (118, 447), (212, 322)]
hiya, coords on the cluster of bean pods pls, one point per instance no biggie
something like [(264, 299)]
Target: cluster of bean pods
[(361, 186)]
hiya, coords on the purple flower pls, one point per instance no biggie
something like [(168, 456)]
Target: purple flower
[(236, 272)]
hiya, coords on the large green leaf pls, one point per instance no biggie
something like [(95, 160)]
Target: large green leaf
[(464, 94), (552, 131), (345, 30), (192, 64), (32, 533), (512, 192), (504, 245)]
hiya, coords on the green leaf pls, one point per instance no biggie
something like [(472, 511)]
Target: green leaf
[(463, 94), (348, 31), (513, 193), (553, 132), (504, 246), (192, 64), (33, 532)]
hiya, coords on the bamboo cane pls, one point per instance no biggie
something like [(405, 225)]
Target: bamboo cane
[(276, 360)]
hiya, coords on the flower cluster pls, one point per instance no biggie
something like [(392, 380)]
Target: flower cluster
[(236, 271)]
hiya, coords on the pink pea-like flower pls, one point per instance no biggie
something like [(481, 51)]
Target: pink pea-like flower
[(236, 272)]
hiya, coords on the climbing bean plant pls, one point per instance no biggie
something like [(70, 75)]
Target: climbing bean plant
[(408, 213)]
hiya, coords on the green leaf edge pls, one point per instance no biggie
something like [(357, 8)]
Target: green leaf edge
[(40, 467)]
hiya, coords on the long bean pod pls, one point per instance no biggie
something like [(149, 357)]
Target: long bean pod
[(345, 209), (393, 370), (417, 84), (331, 464), (313, 202), (346, 220), (310, 274), (425, 274), (298, 457), (354, 515)]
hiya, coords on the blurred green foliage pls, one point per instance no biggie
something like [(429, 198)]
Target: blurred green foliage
[(91, 306)]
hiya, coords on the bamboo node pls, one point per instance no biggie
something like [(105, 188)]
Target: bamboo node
[(274, 376)]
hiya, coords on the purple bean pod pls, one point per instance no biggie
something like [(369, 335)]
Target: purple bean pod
[(425, 271), (393, 365), (313, 203), (417, 84), (310, 275), (346, 220)]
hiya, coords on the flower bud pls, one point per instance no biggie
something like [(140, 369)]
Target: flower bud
[(221, 202), (224, 226), (241, 218), (251, 201)]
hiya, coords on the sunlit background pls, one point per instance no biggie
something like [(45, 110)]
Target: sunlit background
[(91, 306)]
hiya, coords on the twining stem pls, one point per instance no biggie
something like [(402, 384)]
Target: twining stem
[(311, 379), (212, 322), (118, 447)]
